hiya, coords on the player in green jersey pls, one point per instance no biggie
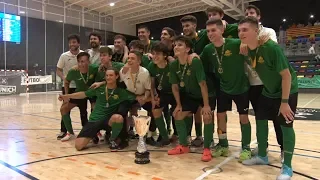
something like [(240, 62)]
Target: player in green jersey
[(137, 45), (192, 78), (159, 72), (144, 37), (84, 77), (279, 95), (105, 113), (222, 58), (199, 41)]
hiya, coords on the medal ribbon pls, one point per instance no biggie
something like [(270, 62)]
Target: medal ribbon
[(217, 56)]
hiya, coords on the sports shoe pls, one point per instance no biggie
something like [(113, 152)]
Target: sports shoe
[(163, 142), (220, 151), (100, 137), (113, 146), (189, 139), (255, 151), (61, 135), (286, 173), (197, 142), (68, 137), (256, 160), (282, 156), (244, 155), (206, 155), (212, 145), (179, 150), (151, 141), (95, 140)]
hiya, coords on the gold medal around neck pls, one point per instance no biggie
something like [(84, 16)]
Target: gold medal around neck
[(220, 70), (181, 84), (107, 105), (159, 87)]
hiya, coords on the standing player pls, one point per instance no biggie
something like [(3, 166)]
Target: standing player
[(120, 50), (192, 78), (255, 82), (167, 37), (279, 95), (144, 37), (84, 77), (222, 58), (159, 71), (66, 61), (137, 45), (95, 42), (109, 98)]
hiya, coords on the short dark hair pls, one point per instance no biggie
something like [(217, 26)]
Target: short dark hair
[(81, 54), (119, 36), (138, 54), (136, 44), (106, 49), (144, 27), (215, 9), (250, 20), (160, 47), (189, 18), (186, 40), (217, 22), (113, 69), (255, 8), (74, 36), (95, 34), (171, 32)]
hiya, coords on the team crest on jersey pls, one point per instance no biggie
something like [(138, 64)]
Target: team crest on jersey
[(188, 72), (91, 76), (115, 96), (260, 60), (227, 53)]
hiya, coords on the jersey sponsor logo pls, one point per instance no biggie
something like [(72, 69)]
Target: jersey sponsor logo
[(115, 96), (227, 53), (260, 60)]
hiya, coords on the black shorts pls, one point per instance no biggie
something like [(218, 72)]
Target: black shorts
[(254, 94), (80, 102), (165, 100), (91, 129), (192, 104), (224, 102), (71, 90), (269, 109)]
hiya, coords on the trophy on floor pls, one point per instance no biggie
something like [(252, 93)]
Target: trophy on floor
[(142, 123)]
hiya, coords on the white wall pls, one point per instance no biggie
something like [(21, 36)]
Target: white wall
[(124, 28), (53, 10)]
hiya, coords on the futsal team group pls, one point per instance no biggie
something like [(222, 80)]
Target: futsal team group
[(181, 80)]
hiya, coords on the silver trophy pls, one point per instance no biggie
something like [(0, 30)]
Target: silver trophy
[(142, 124)]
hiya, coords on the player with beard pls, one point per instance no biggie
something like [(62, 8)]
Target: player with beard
[(279, 96), (66, 61), (120, 50), (105, 114), (144, 37), (84, 77), (196, 95), (95, 43)]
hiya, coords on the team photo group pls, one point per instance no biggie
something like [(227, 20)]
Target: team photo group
[(183, 82)]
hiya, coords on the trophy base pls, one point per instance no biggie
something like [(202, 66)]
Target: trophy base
[(142, 158)]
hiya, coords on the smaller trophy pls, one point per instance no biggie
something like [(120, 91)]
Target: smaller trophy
[(142, 124)]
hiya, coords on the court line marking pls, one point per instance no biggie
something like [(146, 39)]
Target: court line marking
[(103, 152), (310, 101), (18, 171)]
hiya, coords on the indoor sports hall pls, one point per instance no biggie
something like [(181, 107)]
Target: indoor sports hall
[(33, 36)]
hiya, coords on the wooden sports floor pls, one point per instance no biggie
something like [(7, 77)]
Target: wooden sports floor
[(29, 149)]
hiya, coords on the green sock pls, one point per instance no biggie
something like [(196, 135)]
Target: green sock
[(262, 137), (223, 141), (67, 122), (116, 129), (167, 116), (289, 140), (182, 131), (188, 123), (246, 136), (198, 126), (162, 127), (208, 136)]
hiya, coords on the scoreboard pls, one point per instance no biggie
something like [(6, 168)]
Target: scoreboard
[(10, 28)]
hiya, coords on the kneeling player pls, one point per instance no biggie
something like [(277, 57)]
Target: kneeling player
[(279, 96), (109, 97), (83, 75), (192, 79)]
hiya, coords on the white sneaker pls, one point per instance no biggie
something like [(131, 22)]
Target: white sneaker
[(256, 160), (285, 173), (255, 151), (101, 138), (68, 137)]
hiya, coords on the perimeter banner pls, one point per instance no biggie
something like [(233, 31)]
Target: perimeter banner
[(313, 82), (33, 80)]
